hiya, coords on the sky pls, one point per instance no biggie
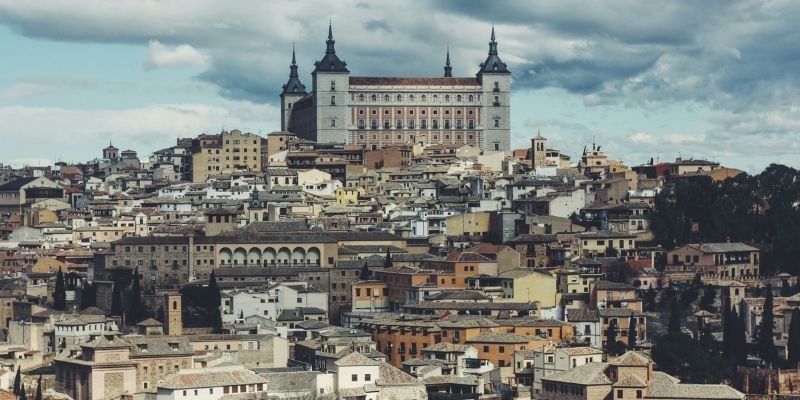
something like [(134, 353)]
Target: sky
[(717, 80)]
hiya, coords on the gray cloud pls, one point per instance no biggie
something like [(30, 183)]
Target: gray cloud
[(740, 59)]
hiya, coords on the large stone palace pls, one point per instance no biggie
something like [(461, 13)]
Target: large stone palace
[(386, 111)]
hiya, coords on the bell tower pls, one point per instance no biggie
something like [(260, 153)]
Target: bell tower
[(173, 320)]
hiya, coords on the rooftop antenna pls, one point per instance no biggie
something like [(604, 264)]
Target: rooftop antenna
[(593, 143)]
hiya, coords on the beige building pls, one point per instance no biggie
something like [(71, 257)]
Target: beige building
[(225, 153), (468, 224), (714, 261), (630, 376), (102, 370)]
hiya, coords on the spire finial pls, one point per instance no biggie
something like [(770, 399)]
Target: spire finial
[(294, 61), (330, 42), (448, 70), (493, 43)]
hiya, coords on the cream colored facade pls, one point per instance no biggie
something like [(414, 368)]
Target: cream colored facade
[(225, 153), (467, 224)]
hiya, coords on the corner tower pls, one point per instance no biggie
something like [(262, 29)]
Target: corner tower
[(293, 90), (495, 80), (331, 87)]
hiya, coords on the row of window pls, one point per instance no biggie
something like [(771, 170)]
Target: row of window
[(496, 101), (411, 124), (423, 98), (412, 137)]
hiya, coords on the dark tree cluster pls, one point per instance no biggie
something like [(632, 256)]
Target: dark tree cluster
[(201, 305), (758, 209)]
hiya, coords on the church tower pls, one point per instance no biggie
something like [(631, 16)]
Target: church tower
[(331, 87), (173, 319), (495, 79), (538, 151), (293, 90)]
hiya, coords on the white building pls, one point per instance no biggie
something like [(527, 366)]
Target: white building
[(210, 383), (549, 360), (272, 301)]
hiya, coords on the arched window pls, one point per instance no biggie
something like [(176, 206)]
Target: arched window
[(374, 97), (458, 98), (411, 97), (174, 305), (361, 97), (446, 97), (386, 97), (471, 98), (399, 97), (435, 98), (424, 98)]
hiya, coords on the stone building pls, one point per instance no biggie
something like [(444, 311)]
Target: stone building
[(224, 153), (383, 111)]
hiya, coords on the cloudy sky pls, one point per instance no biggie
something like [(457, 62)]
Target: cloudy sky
[(712, 79)]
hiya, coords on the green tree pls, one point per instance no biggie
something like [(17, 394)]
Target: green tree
[(17, 381), (39, 389), (708, 299), (116, 300), (786, 290), (387, 263), (764, 341), (22, 394), (675, 319), (215, 301), (794, 340), (632, 334), (136, 308), (649, 299), (611, 337), (60, 293), (88, 296)]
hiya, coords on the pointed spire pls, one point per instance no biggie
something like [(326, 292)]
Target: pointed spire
[(294, 60), (330, 42), (448, 70), (493, 44)]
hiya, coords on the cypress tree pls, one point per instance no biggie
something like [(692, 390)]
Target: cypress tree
[(88, 296), (116, 300), (39, 389), (727, 331), (632, 334), (794, 339), (17, 381), (215, 301), (388, 260), (22, 395), (675, 317), (764, 340), (60, 294), (611, 336), (365, 272), (739, 345), (135, 305)]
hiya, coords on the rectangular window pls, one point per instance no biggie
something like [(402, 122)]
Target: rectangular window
[(333, 100), (333, 86), (333, 121), (354, 378)]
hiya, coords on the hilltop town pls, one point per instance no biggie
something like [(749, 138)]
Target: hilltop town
[(389, 243)]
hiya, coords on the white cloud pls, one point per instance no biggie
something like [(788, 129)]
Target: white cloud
[(641, 138), (75, 135), (182, 56)]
